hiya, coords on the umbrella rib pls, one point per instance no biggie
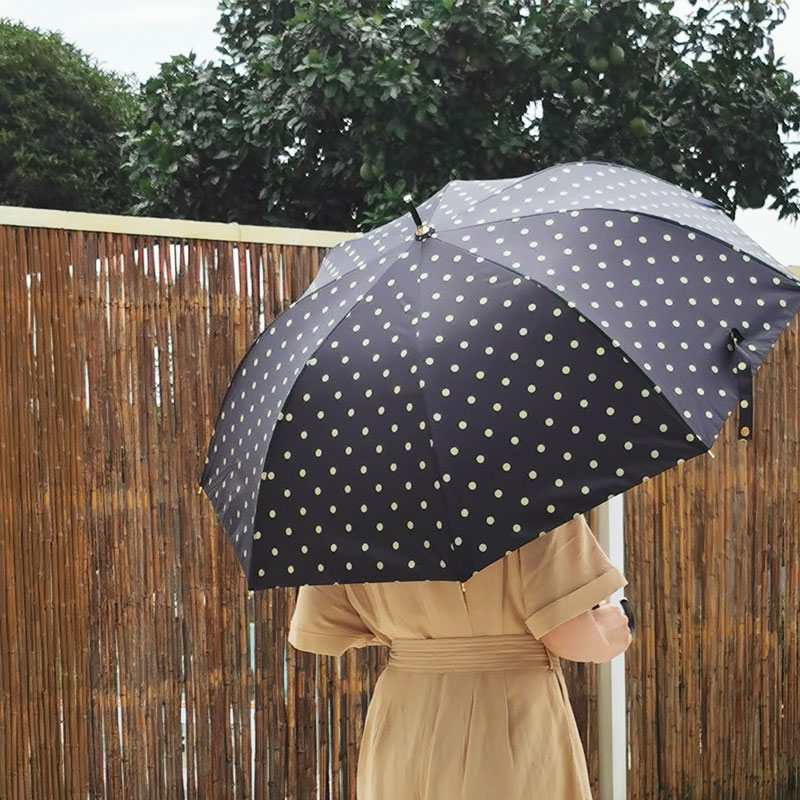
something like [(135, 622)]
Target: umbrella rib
[(435, 207), (305, 294), (449, 526), (520, 179)]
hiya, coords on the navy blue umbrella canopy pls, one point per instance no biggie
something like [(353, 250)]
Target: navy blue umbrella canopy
[(444, 392)]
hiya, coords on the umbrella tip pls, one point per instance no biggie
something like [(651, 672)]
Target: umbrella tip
[(423, 231)]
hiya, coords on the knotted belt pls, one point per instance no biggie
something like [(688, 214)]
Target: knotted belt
[(471, 654)]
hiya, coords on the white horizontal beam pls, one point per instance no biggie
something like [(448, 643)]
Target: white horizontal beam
[(24, 217)]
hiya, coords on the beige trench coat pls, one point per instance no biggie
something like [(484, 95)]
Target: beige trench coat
[(471, 704)]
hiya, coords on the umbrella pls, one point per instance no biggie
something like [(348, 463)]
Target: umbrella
[(467, 377)]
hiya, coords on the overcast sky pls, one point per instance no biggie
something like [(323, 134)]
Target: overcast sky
[(135, 37)]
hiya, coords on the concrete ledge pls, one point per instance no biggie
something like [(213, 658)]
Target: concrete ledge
[(169, 228)]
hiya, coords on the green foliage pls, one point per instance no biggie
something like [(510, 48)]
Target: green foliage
[(60, 118), (323, 113), (189, 156)]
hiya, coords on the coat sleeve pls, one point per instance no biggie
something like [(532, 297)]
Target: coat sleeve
[(564, 572), (325, 622)]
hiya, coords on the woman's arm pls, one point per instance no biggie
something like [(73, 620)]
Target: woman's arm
[(597, 635)]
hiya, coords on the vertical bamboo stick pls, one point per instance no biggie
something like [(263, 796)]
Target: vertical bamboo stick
[(93, 327), (336, 731), (114, 656), (283, 740), (155, 554), (142, 716), (16, 350), (47, 748), (67, 630), (190, 586), (171, 521), (207, 674), (291, 719), (24, 720), (56, 491), (78, 542), (9, 701)]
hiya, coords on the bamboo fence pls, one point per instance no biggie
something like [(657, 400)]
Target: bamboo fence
[(135, 664)]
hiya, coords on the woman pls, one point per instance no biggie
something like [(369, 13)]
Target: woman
[(473, 703)]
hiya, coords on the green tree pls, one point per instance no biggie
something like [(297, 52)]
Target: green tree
[(61, 123), (323, 113), (190, 155)]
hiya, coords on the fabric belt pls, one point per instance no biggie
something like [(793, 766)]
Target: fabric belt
[(471, 653)]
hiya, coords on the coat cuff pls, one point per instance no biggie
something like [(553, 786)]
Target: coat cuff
[(582, 599)]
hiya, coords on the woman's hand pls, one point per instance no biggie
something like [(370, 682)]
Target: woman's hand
[(597, 635)]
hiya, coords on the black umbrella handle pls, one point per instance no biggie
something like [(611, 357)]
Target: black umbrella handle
[(423, 231), (628, 609), (744, 375)]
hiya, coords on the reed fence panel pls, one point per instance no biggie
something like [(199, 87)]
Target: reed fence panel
[(135, 664)]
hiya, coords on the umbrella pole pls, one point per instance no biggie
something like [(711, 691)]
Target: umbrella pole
[(611, 709)]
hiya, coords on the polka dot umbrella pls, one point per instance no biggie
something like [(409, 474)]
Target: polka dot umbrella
[(473, 374)]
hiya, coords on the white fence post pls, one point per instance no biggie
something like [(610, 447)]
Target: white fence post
[(612, 728)]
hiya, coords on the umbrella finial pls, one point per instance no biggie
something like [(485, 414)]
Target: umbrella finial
[(423, 231)]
